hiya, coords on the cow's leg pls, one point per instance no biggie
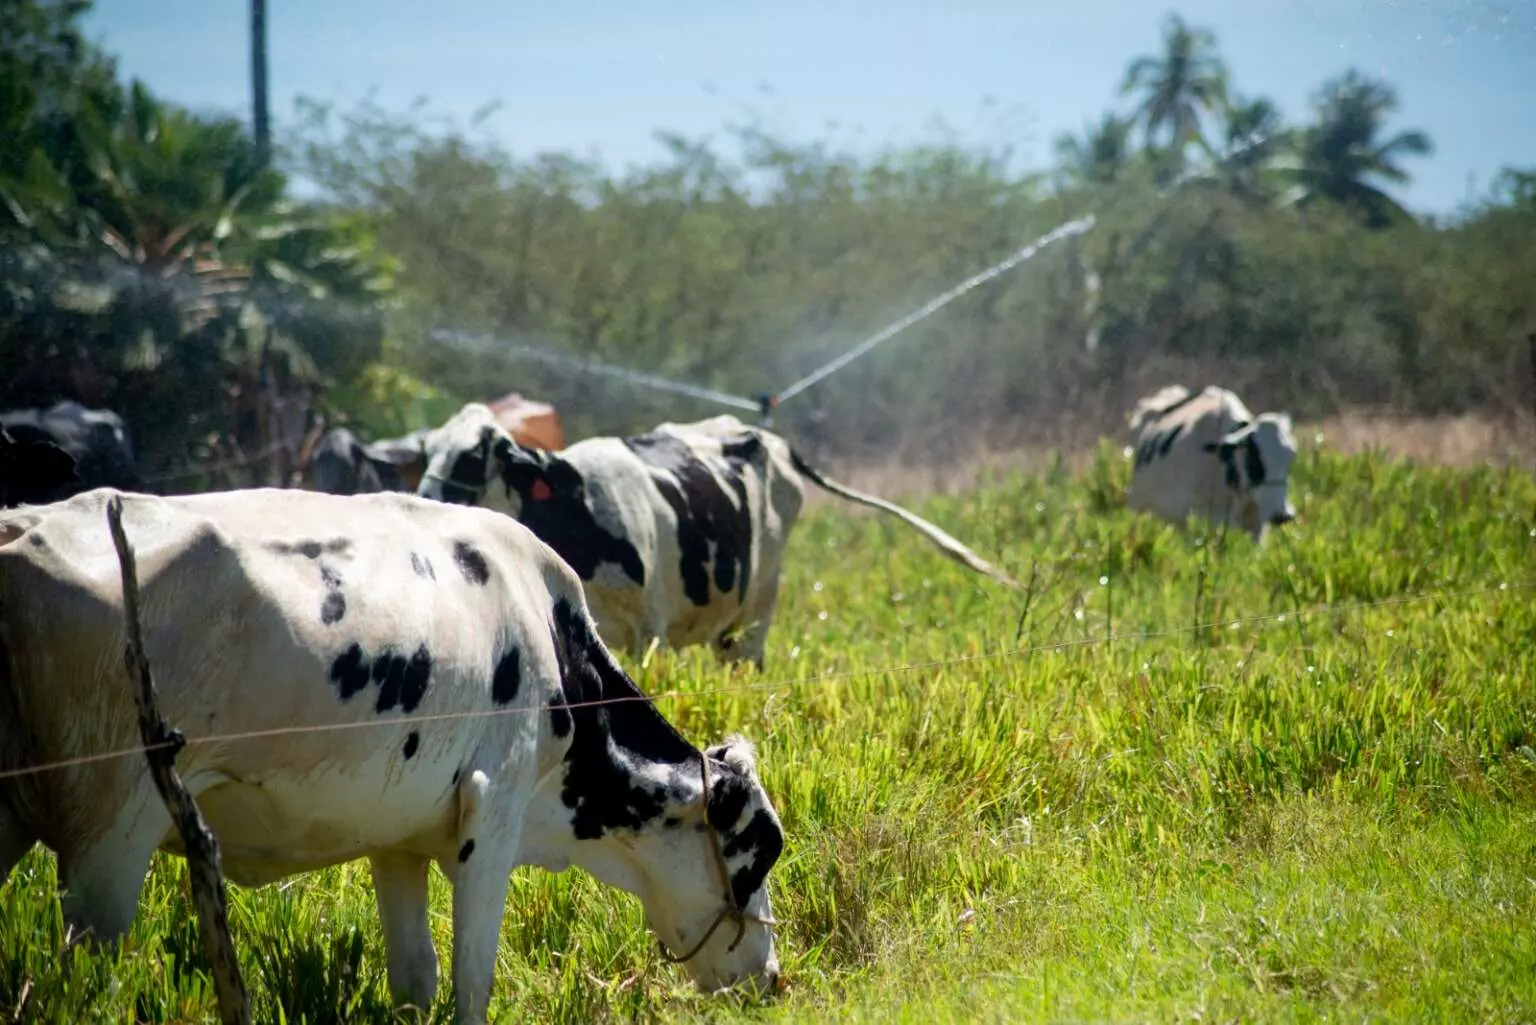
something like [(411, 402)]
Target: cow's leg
[(102, 880), (489, 833), (400, 888), (757, 619)]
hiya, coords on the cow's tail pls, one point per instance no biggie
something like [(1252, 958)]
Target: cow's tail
[(941, 540), (1156, 404)]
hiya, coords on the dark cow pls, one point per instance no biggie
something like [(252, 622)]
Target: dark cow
[(94, 439), (478, 720), (32, 471), (678, 535)]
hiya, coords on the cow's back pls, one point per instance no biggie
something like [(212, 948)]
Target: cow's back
[(269, 612)]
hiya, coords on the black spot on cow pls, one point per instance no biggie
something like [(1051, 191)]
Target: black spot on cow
[(422, 566), (310, 549), (471, 563), (466, 851), (351, 671), (412, 742), (714, 525), (728, 798), (333, 608), (507, 677), (553, 503), (765, 840), (671, 822), (1253, 462), (416, 675), (334, 605), (402, 681), (600, 790), (1168, 438)]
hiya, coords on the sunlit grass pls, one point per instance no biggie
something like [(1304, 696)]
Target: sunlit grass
[(1244, 807)]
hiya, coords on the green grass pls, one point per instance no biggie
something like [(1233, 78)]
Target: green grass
[(994, 816)]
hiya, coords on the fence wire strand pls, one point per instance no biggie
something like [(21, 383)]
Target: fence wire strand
[(824, 679)]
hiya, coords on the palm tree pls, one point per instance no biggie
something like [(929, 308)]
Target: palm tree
[(1100, 156), (1253, 136), (1187, 80), (1342, 157)]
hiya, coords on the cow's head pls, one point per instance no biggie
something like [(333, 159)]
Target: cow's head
[(706, 894), (635, 804), (1257, 460), (475, 461)]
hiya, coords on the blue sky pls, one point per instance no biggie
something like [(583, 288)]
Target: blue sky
[(598, 78)]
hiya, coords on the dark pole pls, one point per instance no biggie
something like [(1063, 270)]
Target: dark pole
[(259, 118)]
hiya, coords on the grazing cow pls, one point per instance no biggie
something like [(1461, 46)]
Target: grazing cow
[(678, 534), (1204, 454), (340, 464), (32, 471), (95, 439), (478, 722)]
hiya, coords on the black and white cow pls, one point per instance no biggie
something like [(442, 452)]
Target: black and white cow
[(678, 535), (95, 439), (1204, 454), (341, 464), (478, 720)]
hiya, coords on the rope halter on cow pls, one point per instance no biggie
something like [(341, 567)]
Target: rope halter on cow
[(729, 909)]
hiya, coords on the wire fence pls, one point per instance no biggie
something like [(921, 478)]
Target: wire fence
[(834, 678)]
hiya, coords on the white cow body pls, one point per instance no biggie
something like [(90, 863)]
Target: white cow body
[(1203, 454), (678, 535), (444, 642)]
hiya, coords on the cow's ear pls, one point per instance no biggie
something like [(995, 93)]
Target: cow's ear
[(738, 753)]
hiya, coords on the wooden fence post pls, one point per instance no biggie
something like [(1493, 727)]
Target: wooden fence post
[(161, 746)]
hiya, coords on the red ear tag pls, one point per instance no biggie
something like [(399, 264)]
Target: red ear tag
[(540, 491)]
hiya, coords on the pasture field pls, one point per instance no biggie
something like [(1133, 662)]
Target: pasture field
[(1246, 806)]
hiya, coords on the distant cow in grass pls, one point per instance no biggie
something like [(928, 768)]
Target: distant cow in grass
[(1204, 454), (678, 535)]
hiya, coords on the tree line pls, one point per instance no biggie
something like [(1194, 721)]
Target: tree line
[(152, 264)]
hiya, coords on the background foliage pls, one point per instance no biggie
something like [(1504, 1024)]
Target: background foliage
[(151, 265)]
